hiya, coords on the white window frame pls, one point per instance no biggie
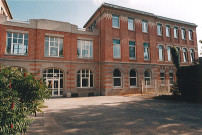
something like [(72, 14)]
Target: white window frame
[(167, 31), (190, 34), (161, 53), (133, 46), (86, 46), (56, 40), (146, 50), (133, 77), (176, 33), (159, 29), (185, 54), (116, 45), (183, 33), (13, 44), (116, 17), (120, 77), (131, 22), (86, 76), (144, 26), (192, 55), (169, 53)]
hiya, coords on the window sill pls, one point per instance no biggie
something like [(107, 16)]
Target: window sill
[(117, 88), (131, 30), (132, 87), (132, 59), (160, 60), (16, 55), (53, 56), (85, 88), (146, 32), (84, 58), (191, 40), (117, 58), (176, 38), (168, 36), (160, 35), (169, 61), (115, 27), (147, 60)]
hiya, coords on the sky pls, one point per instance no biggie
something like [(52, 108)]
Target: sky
[(79, 11)]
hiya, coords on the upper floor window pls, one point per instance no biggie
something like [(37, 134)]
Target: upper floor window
[(159, 29), (132, 49), (84, 78), (190, 35), (160, 52), (178, 52), (93, 26), (183, 33), (144, 26), (169, 53), (146, 51), (175, 32), (17, 43), (84, 49), (192, 55), (115, 21), (53, 46), (116, 49), (167, 31), (185, 54), (133, 78), (130, 24), (117, 78)]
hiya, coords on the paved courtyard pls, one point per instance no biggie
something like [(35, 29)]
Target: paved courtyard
[(117, 115)]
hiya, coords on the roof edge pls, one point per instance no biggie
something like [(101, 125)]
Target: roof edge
[(139, 12)]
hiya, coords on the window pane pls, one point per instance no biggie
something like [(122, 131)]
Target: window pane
[(91, 80), (53, 51), (147, 74), (117, 73), (169, 53), (61, 49), (132, 52), (147, 81), (115, 21), (132, 73), (117, 81), (84, 82), (8, 49), (130, 24), (116, 51), (46, 48), (78, 80), (133, 82), (160, 52)]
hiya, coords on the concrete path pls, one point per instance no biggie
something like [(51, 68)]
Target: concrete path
[(117, 115)]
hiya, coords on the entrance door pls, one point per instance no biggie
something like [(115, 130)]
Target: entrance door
[(54, 86)]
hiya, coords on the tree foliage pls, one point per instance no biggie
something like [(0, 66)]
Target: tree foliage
[(20, 96), (175, 57)]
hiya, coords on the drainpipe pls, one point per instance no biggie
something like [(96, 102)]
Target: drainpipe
[(99, 56)]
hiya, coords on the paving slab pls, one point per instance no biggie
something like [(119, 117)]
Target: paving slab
[(117, 115)]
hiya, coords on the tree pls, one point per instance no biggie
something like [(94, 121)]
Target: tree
[(175, 57), (20, 96)]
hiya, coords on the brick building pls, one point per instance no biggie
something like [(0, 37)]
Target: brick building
[(118, 49), (5, 10)]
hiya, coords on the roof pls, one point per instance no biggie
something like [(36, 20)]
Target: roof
[(7, 7), (138, 12)]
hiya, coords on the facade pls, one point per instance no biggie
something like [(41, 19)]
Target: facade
[(118, 50)]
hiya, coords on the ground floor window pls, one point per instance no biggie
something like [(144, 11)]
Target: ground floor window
[(84, 78), (133, 78), (147, 77), (162, 77), (171, 77), (54, 81), (117, 78)]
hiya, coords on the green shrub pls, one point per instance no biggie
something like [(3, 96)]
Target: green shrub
[(20, 96)]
